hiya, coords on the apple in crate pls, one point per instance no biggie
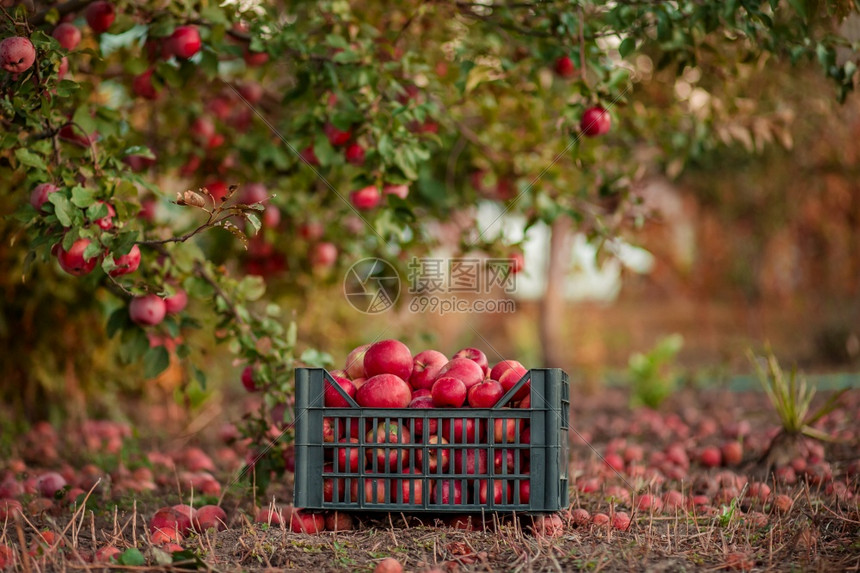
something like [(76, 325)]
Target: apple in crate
[(485, 394), (387, 433), (509, 379), (525, 490), (447, 492), (463, 369), (460, 431), (425, 369), (423, 402), (388, 357), (412, 489), (331, 484), (438, 458), (507, 430), (504, 366), (475, 355), (328, 430), (448, 392), (384, 391), (348, 456), (470, 461), (503, 462), (375, 489), (496, 489), (354, 367), (333, 398)]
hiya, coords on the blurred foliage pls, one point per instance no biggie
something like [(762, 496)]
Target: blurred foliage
[(435, 94), (654, 375)]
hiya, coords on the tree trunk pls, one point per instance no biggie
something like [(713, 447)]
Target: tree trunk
[(552, 307)]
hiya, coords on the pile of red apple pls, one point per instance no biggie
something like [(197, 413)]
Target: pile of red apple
[(413, 456)]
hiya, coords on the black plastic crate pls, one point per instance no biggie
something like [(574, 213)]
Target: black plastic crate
[(394, 469)]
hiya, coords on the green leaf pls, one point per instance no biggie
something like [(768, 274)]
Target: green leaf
[(93, 250), (131, 557), (97, 211), (82, 197), (140, 150), (63, 209), (626, 47), (117, 321), (30, 159), (316, 359), (800, 7), (155, 361), (199, 375)]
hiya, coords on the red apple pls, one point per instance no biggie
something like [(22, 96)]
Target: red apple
[(63, 68), (348, 457), (17, 54), (485, 394), (106, 223), (388, 357), (339, 521), (503, 366), (323, 255), (421, 393), (255, 59), (354, 154), (107, 554), (565, 67), (309, 156), (470, 461), (335, 136), (218, 190), (67, 35), (388, 565), (510, 378), (595, 121), (126, 264), (202, 128), (40, 193), (147, 310), (73, 262), (366, 198), (176, 303), (448, 392), (355, 361), (49, 483), (465, 370), (211, 517), (184, 42), (517, 262), (143, 87), (422, 402), (425, 368), (303, 521), (711, 457), (438, 458), (375, 489), (401, 191), (251, 91), (384, 391), (525, 490), (170, 518), (100, 15), (269, 516), (500, 491), (411, 489), (505, 430), (333, 398), (329, 433), (248, 379), (503, 462), (384, 459), (476, 356), (447, 492), (462, 433)]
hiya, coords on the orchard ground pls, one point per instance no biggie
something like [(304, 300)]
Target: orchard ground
[(649, 466)]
